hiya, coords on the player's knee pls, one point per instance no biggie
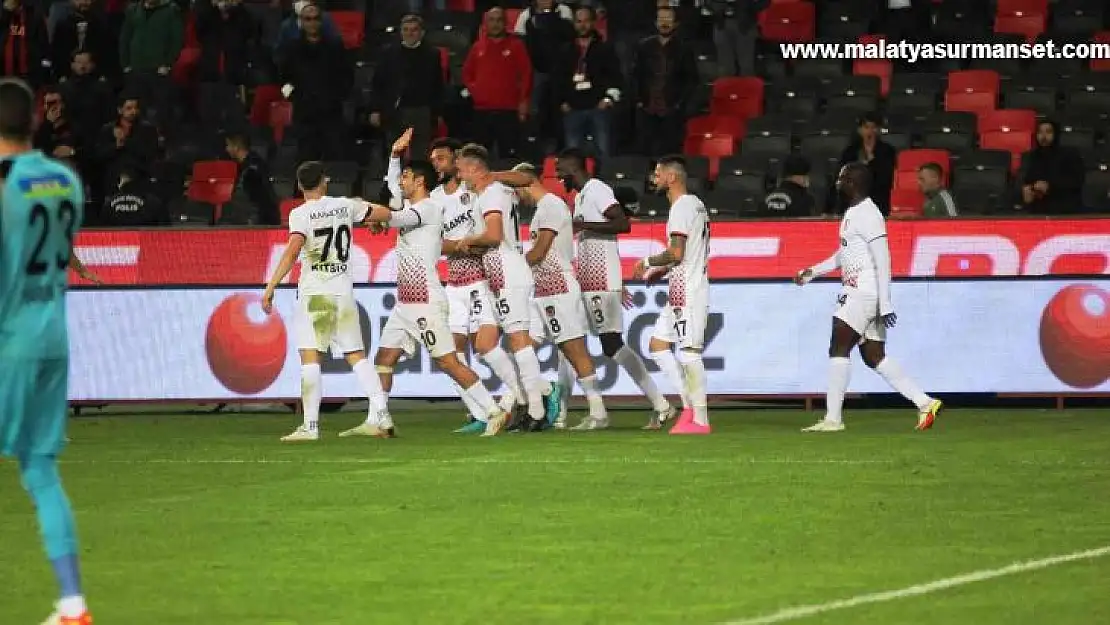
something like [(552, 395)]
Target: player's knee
[(872, 353), (611, 343), (655, 346), (38, 472), (687, 356)]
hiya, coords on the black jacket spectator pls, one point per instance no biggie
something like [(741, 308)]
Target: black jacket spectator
[(545, 33), (88, 97), (1059, 168), (127, 140), (24, 43), (593, 61), (226, 32), (133, 205), (253, 181), (880, 157), (88, 29), (675, 67), (56, 135), (320, 73), (408, 77), (791, 198)]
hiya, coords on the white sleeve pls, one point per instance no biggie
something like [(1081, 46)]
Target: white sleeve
[(393, 177), (871, 226), (880, 254), (500, 201), (299, 223), (681, 220), (521, 27), (603, 198), (407, 217), (359, 210), (542, 220), (831, 263)]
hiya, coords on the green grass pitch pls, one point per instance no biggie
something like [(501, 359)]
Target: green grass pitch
[(211, 521)]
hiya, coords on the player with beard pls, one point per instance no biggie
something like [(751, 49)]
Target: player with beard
[(470, 303), (598, 219)]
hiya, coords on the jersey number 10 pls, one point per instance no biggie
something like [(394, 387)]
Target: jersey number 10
[(337, 239), (63, 220)]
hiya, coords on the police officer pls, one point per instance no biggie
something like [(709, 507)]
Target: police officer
[(791, 198)]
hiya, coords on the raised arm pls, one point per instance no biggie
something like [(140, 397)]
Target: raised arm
[(393, 173)]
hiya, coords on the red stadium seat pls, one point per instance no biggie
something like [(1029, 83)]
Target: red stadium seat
[(712, 146), (907, 203), (1101, 65), (973, 81), (715, 124), (970, 102), (287, 206), (281, 116), (788, 22), (880, 68), (215, 170), (1029, 25), (1007, 120), (550, 172), (1024, 6), (784, 1), (352, 27), (264, 96), (1016, 143), (462, 6), (739, 97), (743, 109), (871, 38), (909, 161)]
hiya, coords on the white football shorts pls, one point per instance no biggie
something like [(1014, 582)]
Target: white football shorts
[(605, 310), (513, 309), (860, 310), (426, 324), (469, 307), (684, 326), (559, 318), (328, 322)]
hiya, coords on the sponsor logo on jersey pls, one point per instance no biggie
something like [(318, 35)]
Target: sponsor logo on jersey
[(332, 268), (339, 211), (53, 185)]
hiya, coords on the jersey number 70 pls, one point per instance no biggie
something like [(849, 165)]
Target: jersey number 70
[(340, 237)]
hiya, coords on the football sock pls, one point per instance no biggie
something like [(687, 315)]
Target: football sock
[(566, 379), (840, 373), (371, 384), (696, 385), (899, 381), (631, 362), (44, 485), (501, 365), (311, 391), (535, 385), (472, 408), (593, 396), (480, 396), (668, 364)]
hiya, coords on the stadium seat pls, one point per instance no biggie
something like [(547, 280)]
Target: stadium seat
[(954, 121), (970, 102), (1096, 190), (824, 147), (878, 68), (740, 97), (820, 69), (351, 26), (264, 96), (797, 98), (715, 124), (852, 93), (977, 161), (1021, 6), (1028, 25), (287, 206), (914, 92), (740, 164), (961, 21), (1078, 136), (1101, 65), (907, 203), (712, 147), (766, 147), (550, 171), (973, 81), (788, 22), (464, 6), (750, 182), (215, 170), (953, 142), (281, 116), (897, 140), (1030, 93), (845, 21), (733, 202), (770, 124), (1089, 96), (626, 168), (1013, 142), (912, 160), (1077, 18), (1006, 69), (1007, 120)]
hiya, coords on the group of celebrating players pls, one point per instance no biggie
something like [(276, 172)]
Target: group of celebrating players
[(455, 205)]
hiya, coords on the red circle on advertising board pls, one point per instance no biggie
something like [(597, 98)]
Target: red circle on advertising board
[(246, 347), (1075, 335)]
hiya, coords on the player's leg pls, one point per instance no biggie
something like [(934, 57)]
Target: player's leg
[(42, 412), (606, 313), (660, 346), (873, 351), (487, 342), (514, 306), (459, 313), (475, 416), (844, 337), (575, 353), (396, 340), (566, 375), (314, 321), (444, 354), (689, 330)]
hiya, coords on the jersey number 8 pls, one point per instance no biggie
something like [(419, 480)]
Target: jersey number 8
[(65, 216), (340, 237)]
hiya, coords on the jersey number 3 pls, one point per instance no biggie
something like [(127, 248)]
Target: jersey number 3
[(63, 221), (338, 239)]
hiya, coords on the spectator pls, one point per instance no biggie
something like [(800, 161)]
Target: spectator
[(735, 34), (408, 88), (1053, 180), (318, 76), (253, 180), (24, 43), (226, 32), (150, 41), (132, 205), (664, 79), (291, 28), (498, 76), (878, 155), (85, 28), (88, 97), (904, 19), (791, 198), (417, 6), (128, 139), (938, 201), (546, 28), (55, 136), (587, 85)]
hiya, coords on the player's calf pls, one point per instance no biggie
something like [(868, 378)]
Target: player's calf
[(472, 385), (578, 355)]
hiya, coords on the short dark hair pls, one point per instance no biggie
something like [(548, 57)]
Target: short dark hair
[(933, 167), (587, 9), (413, 18), (239, 138), (668, 9), (860, 175), (424, 171), (127, 96), (310, 175), (575, 156), (476, 152), (17, 110), (445, 143), (871, 118), (795, 165), (672, 160)]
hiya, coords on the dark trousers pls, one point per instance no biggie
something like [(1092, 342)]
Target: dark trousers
[(423, 125), (157, 95), (660, 134), (595, 122), (499, 131), (320, 138)]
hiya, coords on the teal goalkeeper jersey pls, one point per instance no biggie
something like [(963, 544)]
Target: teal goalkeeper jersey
[(41, 207)]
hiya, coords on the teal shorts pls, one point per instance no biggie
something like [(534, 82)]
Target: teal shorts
[(33, 407)]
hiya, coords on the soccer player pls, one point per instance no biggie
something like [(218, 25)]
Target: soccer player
[(682, 323), (559, 314), (864, 310), (326, 315), (421, 312), (469, 301), (510, 277), (598, 219), (41, 207)]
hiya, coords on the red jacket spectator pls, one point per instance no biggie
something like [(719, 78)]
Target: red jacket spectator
[(498, 74)]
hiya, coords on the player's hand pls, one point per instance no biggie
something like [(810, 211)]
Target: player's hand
[(401, 145), (268, 301), (377, 227), (626, 299), (639, 269), (376, 120), (91, 277), (803, 277), (463, 246), (889, 320)]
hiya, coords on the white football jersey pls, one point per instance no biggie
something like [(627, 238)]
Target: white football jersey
[(690, 278), (599, 259), (328, 228), (555, 273), (418, 249), (504, 265), (862, 224), (459, 222)]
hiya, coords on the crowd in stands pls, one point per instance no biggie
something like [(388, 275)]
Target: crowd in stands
[(179, 112)]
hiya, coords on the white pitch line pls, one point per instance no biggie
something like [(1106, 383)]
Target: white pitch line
[(806, 611), (464, 461)]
